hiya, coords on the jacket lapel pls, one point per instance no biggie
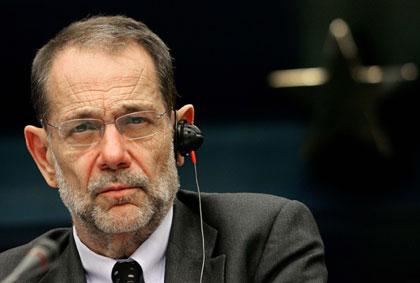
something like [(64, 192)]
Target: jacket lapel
[(184, 253)]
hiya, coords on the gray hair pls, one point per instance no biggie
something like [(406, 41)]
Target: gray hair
[(107, 33)]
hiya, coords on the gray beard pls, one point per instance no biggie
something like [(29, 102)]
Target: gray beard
[(159, 198)]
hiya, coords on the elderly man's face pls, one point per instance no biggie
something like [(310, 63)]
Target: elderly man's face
[(118, 185)]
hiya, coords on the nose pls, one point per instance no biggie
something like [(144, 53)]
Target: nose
[(113, 152)]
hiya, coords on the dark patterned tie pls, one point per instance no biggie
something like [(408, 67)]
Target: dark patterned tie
[(128, 271)]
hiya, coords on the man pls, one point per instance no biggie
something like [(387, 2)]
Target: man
[(104, 93)]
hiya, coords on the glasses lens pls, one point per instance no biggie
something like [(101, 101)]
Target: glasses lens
[(81, 131), (139, 124)]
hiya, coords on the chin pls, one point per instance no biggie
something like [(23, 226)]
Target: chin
[(127, 218)]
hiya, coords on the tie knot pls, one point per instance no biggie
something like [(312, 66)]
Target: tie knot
[(128, 271)]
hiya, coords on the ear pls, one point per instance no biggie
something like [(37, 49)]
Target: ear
[(37, 144), (185, 113)]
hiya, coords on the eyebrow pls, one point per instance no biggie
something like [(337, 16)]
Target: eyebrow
[(132, 108), (84, 114), (125, 109), (137, 108)]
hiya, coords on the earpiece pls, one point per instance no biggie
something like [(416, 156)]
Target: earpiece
[(188, 137)]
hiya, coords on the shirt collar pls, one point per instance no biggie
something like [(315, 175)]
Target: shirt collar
[(150, 255)]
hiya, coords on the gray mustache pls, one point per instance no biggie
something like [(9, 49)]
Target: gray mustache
[(125, 178)]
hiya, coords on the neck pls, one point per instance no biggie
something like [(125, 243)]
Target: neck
[(115, 245)]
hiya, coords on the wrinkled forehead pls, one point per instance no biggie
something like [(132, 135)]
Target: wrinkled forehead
[(82, 78)]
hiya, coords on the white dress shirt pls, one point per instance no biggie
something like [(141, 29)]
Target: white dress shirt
[(150, 255)]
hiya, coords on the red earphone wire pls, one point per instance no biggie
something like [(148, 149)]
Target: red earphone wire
[(193, 158)]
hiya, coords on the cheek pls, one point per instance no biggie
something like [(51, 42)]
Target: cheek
[(152, 155), (78, 166)]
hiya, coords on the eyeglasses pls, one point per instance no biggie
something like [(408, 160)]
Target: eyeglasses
[(132, 126)]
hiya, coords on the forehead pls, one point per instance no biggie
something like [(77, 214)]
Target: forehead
[(99, 83)]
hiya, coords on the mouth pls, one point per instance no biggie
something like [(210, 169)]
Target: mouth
[(118, 191)]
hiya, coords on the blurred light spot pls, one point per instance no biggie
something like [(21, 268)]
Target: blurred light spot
[(339, 28), (341, 31), (409, 72), (298, 77), (372, 74)]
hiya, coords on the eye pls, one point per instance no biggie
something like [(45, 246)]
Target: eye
[(80, 128), (136, 120)]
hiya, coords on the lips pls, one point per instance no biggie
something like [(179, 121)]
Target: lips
[(114, 188), (117, 191)]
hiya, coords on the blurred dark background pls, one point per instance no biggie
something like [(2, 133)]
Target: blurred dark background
[(258, 139)]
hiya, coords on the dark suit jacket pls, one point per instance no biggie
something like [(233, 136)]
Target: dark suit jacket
[(248, 237)]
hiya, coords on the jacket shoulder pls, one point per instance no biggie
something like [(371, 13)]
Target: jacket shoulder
[(266, 238), (237, 203), (241, 212)]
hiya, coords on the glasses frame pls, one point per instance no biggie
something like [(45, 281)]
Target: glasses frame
[(102, 129)]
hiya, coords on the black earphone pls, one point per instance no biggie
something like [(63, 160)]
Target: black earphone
[(188, 137)]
